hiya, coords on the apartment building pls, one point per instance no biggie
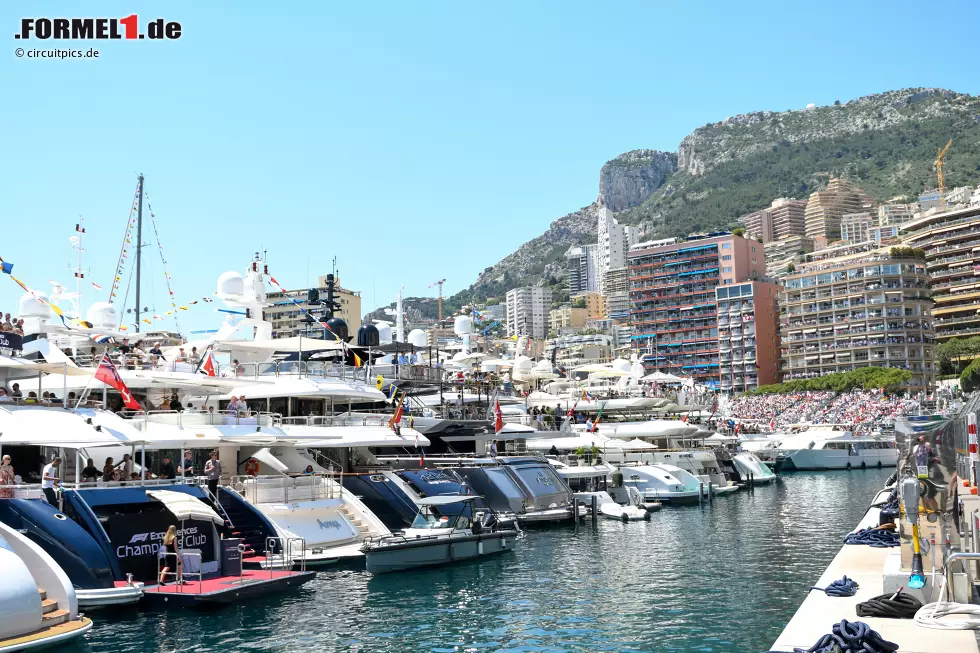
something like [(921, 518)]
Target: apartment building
[(583, 273), (748, 335), (528, 311), (894, 213), (595, 304), (673, 303), (288, 320), (565, 319), (855, 228), (856, 307), (615, 241), (782, 255), (617, 293), (784, 218), (825, 208), (951, 241)]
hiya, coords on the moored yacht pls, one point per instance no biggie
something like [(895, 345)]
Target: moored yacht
[(827, 446)]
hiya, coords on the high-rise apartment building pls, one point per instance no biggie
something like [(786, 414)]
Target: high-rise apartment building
[(849, 308), (788, 216), (758, 224), (583, 275), (895, 213), (617, 293), (748, 335), (951, 241), (615, 241), (825, 208), (528, 311), (565, 319), (288, 320), (856, 227), (673, 303), (782, 255)]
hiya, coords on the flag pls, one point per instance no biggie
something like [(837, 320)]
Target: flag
[(391, 392), (422, 458), (6, 267), (102, 339), (96, 286), (208, 367), (380, 382), (737, 427), (595, 424), (397, 417), (684, 419), (498, 422), (357, 359), (107, 373), (772, 422)]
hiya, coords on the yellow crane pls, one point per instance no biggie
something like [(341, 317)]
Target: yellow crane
[(939, 173), (438, 283)]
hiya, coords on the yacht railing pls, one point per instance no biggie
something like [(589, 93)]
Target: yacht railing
[(205, 418), (178, 573), (285, 560), (349, 419), (287, 489)]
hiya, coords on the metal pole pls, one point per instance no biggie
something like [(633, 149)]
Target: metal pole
[(595, 510), (139, 251)]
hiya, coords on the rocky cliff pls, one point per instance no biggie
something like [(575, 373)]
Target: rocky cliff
[(629, 179)]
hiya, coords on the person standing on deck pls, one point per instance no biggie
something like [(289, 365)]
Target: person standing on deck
[(49, 481), (212, 469)]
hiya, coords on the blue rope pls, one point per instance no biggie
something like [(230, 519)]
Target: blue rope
[(851, 637), (843, 587), (877, 538)]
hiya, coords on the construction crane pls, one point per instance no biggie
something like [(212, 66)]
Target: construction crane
[(939, 173), (438, 283)]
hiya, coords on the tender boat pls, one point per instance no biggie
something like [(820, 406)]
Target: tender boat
[(836, 447), (665, 483), (611, 508), (446, 530), (38, 607)]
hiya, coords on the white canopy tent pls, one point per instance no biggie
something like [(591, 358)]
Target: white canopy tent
[(184, 506)]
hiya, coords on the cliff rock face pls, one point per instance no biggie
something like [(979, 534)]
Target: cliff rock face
[(629, 179)]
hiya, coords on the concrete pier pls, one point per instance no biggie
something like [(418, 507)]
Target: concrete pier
[(866, 566)]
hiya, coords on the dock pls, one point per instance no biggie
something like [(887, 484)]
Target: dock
[(867, 566)]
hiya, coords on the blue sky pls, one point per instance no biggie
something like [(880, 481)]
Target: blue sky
[(414, 141)]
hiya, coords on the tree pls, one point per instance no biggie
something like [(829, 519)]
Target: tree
[(738, 232), (579, 303)]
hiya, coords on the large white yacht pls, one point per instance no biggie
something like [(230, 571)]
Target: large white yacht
[(837, 446)]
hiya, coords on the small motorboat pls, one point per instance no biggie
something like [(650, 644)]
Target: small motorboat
[(445, 530), (609, 507)]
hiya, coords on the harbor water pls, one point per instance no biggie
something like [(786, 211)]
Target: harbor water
[(725, 578)]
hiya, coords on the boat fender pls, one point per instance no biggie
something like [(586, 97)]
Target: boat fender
[(864, 465), (848, 466), (625, 517), (646, 516), (879, 464)]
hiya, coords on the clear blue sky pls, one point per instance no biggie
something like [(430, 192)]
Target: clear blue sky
[(414, 141)]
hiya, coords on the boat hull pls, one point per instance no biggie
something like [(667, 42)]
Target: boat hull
[(103, 597), (429, 552), (54, 636), (824, 459)]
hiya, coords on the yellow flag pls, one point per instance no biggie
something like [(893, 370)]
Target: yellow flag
[(381, 381)]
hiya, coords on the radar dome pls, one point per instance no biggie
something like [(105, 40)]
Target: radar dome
[(31, 306), (102, 314), (523, 364), (418, 338), (621, 365), (367, 336), (462, 324), (384, 332), (337, 330), (231, 285), (543, 366)]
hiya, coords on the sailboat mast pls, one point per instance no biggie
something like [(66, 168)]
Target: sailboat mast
[(139, 250)]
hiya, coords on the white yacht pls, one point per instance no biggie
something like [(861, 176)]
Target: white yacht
[(38, 607), (837, 446), (664, 483)]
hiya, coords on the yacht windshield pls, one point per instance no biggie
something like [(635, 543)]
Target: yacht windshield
[(434, 521)]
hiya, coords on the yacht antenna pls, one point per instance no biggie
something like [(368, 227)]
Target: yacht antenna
[(139, 249), (76, 242)]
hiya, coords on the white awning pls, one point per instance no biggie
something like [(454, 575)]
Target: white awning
[(184, 506), (263, 455)]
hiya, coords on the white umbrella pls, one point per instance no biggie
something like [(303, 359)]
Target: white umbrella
[(660, 377), (609, 372), (636, 444)]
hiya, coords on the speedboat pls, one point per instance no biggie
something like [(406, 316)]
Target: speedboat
[(837, 447), (523, 486), (610, 508), (436, 538), (665, 483), (751, 468), (38, 606)]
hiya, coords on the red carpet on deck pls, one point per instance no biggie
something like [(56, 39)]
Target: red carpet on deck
[(219, 584)]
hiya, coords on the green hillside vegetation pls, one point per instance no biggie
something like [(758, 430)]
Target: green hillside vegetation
[(888, 163), (888, 379)]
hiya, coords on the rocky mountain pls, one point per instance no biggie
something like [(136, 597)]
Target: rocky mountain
[(885, 143)]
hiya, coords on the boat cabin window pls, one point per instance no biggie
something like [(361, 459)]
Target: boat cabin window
[(435, 522)]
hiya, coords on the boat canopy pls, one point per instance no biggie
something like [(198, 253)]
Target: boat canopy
[(184, 506), (57, 427)]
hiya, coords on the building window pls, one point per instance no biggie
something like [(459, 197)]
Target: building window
[(727, 269), (728, 281), (726, 257), (726, 245)]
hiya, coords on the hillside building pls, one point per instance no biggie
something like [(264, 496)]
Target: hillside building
[(784, 218), (617, 294), (528, 311), (566, 319), (673, 303), (892, 213), (825, 208), (855, 228), (748, 335), (615, 241), (583, 275), (853, 307), (595, 304)]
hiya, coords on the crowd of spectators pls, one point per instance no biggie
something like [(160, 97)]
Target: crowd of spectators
[(821, 407)]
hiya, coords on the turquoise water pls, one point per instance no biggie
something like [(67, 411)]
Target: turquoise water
[(727, 578)]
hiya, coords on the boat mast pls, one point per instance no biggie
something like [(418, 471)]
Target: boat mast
[(139, 249)]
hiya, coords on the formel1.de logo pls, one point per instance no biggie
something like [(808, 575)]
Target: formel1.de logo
[(99, 29)]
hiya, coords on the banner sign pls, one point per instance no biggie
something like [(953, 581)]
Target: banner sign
[(137, 539), (10, 340)]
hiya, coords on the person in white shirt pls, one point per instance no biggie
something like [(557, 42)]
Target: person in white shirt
[(49, 481)]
